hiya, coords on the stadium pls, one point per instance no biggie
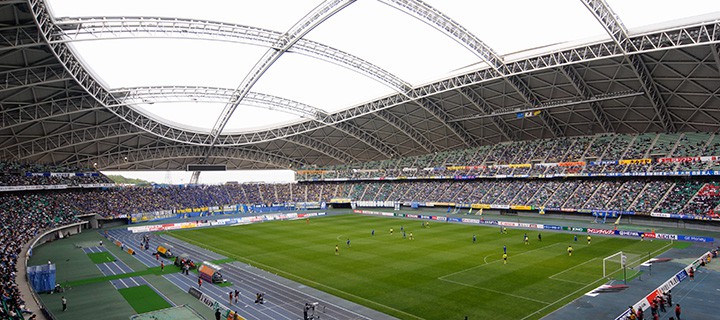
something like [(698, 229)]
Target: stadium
[(451, 159)]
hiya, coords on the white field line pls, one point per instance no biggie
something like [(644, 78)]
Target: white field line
[(123, 283), (486, 263), (496, 291), (568, 269), (159, 292), (569, 281), (121, 270), (485, 259), (266, 267), (583, 288), (134, 281), (109, 269)]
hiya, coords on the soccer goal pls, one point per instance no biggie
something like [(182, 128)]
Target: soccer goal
[(614, 263)]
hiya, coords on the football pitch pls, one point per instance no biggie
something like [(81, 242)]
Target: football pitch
[(439, 274)]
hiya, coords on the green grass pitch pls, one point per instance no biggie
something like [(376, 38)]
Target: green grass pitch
[(440, 274), (101, 257), (143, 299)]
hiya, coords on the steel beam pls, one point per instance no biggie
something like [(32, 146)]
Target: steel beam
[(116, 160), (457, 129), (407, 130), (322, 147), (367, 138), (715, 49), (100, 28), (457, 32), (579, 84), (211, 94), (161, 94), (313, 19), (19, 37), (195, 177), (563, 103), (479, 103), (666, 39), (27, 114), (617, 31), (32, 76), (189, 93), (69, 138)]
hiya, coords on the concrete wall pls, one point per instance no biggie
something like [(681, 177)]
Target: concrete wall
[(59, 233)]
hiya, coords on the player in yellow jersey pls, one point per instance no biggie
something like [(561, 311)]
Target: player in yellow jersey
[(570, 250), (504, 258)]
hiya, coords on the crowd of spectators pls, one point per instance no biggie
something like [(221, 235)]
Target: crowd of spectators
[(603, 195), (704, 202), (22, 217), (24, 214), (542, 194), (692, 144), (493, 160), (679, 196), (585, 189), (20, 174), (642, 195), (526, 192), (627, 194), (650, 196)]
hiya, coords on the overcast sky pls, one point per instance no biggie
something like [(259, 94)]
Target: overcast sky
[(370, 29)]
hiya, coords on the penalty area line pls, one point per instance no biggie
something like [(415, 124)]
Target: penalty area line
[(486, 263), (581, 289), (498, 292), (552, 277)]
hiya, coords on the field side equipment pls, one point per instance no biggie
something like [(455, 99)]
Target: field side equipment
[(184, 259), (210, 272), (165, 250)]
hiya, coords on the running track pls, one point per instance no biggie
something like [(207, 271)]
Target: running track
[(281, 300), (109, 268)]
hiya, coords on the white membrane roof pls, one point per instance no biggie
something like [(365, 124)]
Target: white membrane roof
[(372, 30)]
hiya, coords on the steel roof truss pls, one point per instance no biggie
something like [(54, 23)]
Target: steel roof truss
[(582, 88), (617, 31), (408, 130), (324, 148), (94, 28), (479, 103), (284, 43)]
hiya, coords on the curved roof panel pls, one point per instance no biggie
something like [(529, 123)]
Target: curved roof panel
[(413, 50), (640, 13), (368, 83)]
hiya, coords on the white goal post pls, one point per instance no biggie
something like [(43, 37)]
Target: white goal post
[(614, 263)]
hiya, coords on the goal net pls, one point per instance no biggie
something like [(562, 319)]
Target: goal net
[(614, 263)]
